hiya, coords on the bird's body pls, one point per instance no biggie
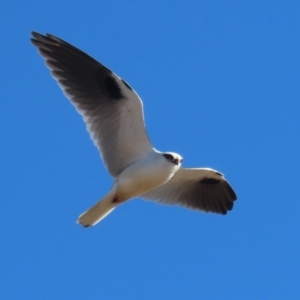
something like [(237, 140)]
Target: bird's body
[(113, 113), (144, 175), (139, 178)]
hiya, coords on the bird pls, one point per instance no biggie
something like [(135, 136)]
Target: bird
[(113, 113)]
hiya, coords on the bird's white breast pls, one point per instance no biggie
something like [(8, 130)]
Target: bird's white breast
[(144, 175)]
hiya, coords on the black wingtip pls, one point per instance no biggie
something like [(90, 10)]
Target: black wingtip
[(35, 34), (230, 205), (232, 193)]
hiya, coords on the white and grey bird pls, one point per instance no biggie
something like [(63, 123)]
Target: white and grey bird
[(113, 113)]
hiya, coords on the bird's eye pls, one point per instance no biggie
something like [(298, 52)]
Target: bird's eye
[(168, 156)]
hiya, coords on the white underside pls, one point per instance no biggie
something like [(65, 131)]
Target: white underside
[(144, 175)]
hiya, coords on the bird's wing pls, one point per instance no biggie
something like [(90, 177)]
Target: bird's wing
[(112, 110), (203, 189)]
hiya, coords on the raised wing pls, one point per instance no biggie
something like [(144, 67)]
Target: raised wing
[(203, 189), (112, 111)]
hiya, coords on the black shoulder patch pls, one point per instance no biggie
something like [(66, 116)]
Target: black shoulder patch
[(112, 88), (126, 84), (210, 181)]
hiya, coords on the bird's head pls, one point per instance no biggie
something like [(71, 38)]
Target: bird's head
[(174, 158)]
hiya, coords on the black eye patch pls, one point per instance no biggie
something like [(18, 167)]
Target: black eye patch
[(168, 156)]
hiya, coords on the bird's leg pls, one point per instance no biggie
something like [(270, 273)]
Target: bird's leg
[(115, 199), (118, 199)]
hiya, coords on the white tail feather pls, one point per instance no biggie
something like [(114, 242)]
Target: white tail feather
[(97, 212)]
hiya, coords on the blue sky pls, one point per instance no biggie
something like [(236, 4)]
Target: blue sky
[(220, 85)]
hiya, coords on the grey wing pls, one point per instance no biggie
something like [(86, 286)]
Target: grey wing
[(111, 109), (203, 189)]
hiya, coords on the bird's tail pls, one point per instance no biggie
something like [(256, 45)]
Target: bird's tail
[(98, 212)]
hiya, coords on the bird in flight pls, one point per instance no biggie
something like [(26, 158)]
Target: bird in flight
[(113, 113)]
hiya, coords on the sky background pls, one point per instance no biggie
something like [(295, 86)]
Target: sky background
[(220, 85)]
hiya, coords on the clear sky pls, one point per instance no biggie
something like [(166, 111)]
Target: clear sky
[(220, 85)]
